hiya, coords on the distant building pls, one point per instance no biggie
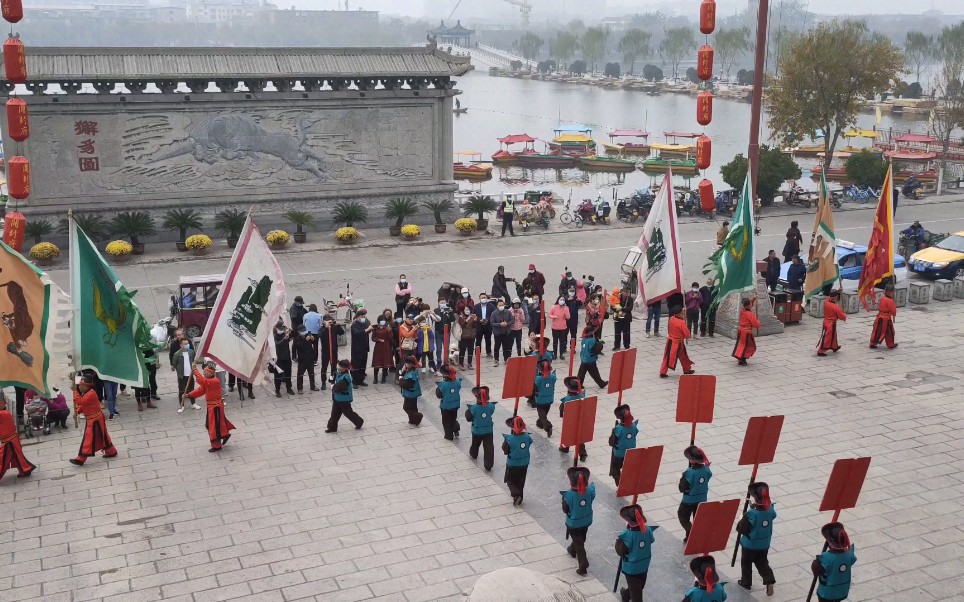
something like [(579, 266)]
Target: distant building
[(326, 21), (222, 11), (453, 36)]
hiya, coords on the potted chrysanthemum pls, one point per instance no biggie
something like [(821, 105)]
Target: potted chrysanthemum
[(277, 238), (198, 243), (44, 253), (466, 225), (411, 231), (119, 250)]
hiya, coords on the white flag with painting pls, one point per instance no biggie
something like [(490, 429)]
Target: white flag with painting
[(661, 268), (252, 298)]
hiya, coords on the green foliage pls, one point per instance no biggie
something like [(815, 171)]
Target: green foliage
[(775, 169), (515, 65), (729, 45), (578, 67), (652, 73), (479, 205), (399, 209), (134, 224), (230, 222), (36, 229), (564, 46), (182, 220), (301, 219), (94, 226), (744, 77), (692, 77), (634, 45), (678, 43), (594, 45), (529, 45), (438, 208), (947, 86), (820, 86), (349, 213), (866, 169), (918, 50)]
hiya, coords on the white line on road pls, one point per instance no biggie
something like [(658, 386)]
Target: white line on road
[(504, 257)]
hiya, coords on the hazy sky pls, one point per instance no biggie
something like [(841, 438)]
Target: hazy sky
[(418, 7)]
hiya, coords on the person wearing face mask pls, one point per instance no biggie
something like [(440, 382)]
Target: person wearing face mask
[(282, 363), (426, 344), (411, 389), (382, 354), (326, 347), (303, 352), (361, 331), (559, 318), (534, 284), (403, 294), (469, 323), (568, 282), (693, 301), (483, 312), (500, 285), (342, 395), (501, 325), (574, 305), (444, 320), (183, 366), (518, 321), (465, 301), (535, 315)]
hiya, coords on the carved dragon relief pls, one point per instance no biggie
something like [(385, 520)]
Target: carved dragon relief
[(181, 151)]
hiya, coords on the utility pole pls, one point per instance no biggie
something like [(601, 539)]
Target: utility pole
[(756, 108)]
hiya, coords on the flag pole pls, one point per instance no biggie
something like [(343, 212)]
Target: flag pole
[(746, 504), (74, 306)]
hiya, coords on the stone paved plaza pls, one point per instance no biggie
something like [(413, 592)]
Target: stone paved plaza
[(393, 512)]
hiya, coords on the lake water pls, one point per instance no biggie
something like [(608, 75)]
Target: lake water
[(501, 105)]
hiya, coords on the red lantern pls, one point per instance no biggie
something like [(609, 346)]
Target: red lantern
[(704, 108), (18, 177), (12, 10), (13, 225), (15, 60), (707, 198), (708, 16), (18, 125), (704, 62), (704, 151)]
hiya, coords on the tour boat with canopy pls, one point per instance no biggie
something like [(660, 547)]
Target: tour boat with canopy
[(673, 149), (628, 148), (472, 168), (505, 154)]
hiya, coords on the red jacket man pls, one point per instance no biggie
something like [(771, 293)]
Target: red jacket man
[(831, 313), (884, 323), (745, 341), (675, 349), (11, 454), (216, 423), (95, 438)]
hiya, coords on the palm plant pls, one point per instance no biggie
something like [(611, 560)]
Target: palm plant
[(134, 224), (398, 210), (94, 226), (349, 213), (301, 219), (438, 208), (479, 205), (229, 223), (182, 220), (37, 229)]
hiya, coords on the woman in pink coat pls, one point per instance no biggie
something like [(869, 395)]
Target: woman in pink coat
[(559, 316)]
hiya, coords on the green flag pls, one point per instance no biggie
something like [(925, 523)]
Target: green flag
[(108, 329), (734, 262)]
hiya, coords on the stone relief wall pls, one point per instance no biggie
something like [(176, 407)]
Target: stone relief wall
[(93, 156)]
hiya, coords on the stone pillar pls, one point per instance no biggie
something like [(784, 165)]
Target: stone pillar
[(445, 138), (728, 313)]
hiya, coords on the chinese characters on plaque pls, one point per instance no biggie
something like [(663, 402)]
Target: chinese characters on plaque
[(87, 134)]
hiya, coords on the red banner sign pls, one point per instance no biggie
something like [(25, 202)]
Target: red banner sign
[(520, 376), (578, 422), (621, 370), (760, 441), (845, 484), (640, 468), (711, 527)]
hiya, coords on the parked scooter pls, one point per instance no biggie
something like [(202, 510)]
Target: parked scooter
[(798, 196), (912, 188)]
